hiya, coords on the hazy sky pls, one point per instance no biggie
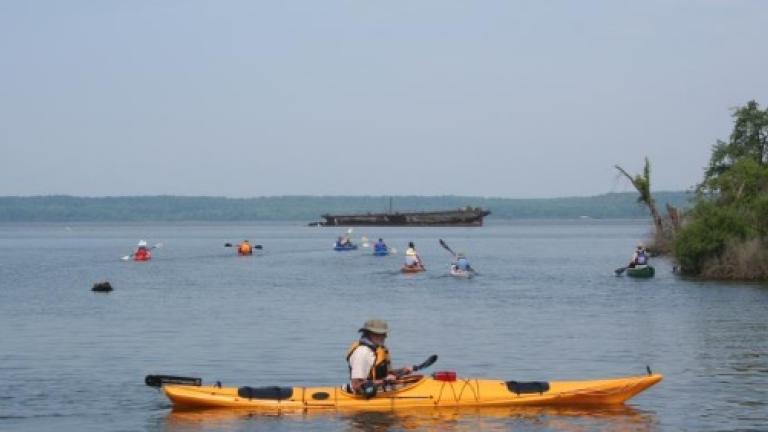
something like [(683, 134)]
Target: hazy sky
[(490, 98)]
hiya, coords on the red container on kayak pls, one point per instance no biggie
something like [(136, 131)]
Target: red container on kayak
[(448, 376)]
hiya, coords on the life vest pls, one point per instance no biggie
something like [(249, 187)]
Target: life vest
[(244, 249), (142, 254), (380, 247), (462, 264), (641, 259), (380, 368), (410, 252)]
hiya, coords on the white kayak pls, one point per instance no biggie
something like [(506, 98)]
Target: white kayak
[(459, 273)]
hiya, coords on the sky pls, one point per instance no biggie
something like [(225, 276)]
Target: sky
[(484, 98)]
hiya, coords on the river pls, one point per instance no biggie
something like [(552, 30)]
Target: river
[(546, 306)]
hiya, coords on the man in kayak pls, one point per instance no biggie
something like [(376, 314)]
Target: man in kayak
[(380, 247), (369, 361), (640, 257), (343, 241), (142, 252), (244, 248), (412, 259), (462, 263)]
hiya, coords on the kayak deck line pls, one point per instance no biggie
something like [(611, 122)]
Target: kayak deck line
[(423, 392)]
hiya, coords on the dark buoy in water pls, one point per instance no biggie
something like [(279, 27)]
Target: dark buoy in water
[(102, 287)]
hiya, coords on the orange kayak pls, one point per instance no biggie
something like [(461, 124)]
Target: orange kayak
[(443, 389), (411, 269)]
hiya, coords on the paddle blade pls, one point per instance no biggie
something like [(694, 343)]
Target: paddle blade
[(159, 245), (445, 246), (227, 244), (349, 231), (392, 251), (258, 247), (427, 363), (125, 258), (159, 380), (619, 271)]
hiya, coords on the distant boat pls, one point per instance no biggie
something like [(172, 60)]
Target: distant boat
[(466, 216)]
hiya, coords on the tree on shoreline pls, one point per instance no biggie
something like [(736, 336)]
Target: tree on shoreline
[(726, 233), (642, 183)]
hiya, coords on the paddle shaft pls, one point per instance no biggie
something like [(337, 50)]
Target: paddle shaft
[(253, 246), (445, 246)]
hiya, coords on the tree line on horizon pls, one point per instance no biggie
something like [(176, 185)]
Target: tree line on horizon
[(309, 208)]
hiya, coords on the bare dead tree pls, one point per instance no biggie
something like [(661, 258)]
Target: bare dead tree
[(642, 182)]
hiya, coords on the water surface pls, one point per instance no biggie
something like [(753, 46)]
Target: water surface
[(546, 306)]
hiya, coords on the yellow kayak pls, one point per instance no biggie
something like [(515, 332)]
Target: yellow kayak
[(443, 389)]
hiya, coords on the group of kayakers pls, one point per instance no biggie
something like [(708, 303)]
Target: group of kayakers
[(143, 251), (413, 262)]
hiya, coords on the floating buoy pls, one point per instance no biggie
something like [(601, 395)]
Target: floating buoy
[(102, 287)]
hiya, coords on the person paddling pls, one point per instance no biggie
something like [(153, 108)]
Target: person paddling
[(462, 263), (369, 361), (412, 259), (244, 248), (142, 252), (343, 241), (380, 247), (640, 257)]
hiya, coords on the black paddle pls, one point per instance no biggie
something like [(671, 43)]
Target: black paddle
[(445, 246), (620, 270), (253, 246), (427, 363)]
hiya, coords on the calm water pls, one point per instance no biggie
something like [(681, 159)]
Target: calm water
[(546, 306)]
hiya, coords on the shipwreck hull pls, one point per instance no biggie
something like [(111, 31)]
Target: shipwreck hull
[(460, 217)]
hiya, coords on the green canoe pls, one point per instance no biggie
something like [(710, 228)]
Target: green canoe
[(643, 271)]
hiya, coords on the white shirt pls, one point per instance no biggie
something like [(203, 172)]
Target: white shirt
[(361, 361)]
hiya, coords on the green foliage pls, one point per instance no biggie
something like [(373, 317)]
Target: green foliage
[(705, 237), (749, 140), (745, 181), (725, 234), (641, 182)]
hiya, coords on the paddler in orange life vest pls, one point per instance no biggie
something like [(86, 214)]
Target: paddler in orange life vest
[(142, 252), (369, 361), (244, 248)]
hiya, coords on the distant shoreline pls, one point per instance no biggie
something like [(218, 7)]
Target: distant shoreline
[(73, 209)]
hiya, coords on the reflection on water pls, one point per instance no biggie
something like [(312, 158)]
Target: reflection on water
[(620, 418)]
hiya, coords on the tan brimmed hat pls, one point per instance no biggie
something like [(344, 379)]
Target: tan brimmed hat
[(375, 326)]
